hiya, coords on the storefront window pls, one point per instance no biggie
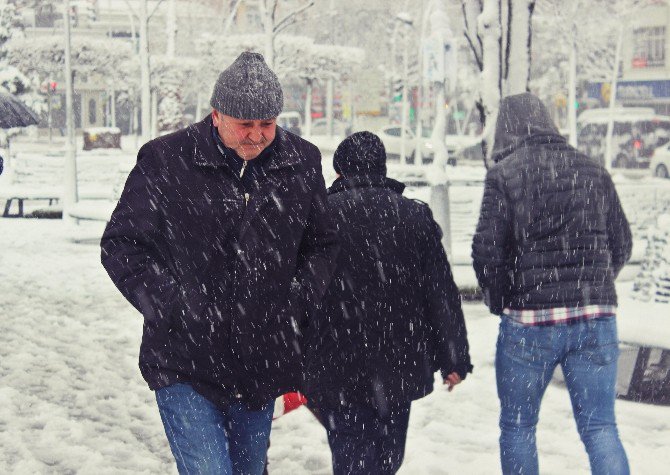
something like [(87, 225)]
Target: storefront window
[(649, 47)]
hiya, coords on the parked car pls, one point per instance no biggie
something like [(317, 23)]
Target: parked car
[(340, 128), (391, 136), (291, 121), (465, 147), (660, 162), (637, 132)]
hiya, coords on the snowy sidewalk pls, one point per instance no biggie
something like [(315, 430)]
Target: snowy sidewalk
[(72, 399)]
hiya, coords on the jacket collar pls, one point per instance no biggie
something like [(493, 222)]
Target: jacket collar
[(365, 181), (206, 153)]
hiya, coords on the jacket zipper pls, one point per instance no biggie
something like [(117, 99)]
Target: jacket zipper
[(246, 195)]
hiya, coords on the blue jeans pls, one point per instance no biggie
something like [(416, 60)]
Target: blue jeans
[(207, 440), (525, 361), (364, 443)]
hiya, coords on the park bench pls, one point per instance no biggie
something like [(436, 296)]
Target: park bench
[(15, 197)]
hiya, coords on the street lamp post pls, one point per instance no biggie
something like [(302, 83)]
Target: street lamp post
[(406, 20), (70, 169)]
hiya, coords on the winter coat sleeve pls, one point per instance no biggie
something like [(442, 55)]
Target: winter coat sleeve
[(619, 237), (129, 246), (444, 306), (491, 245), (318, 249)]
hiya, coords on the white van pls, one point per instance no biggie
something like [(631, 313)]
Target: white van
[(637, 132)]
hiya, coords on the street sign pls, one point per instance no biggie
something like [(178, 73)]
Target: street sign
[(433, 60)]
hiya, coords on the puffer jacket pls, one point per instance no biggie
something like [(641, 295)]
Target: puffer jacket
[(551, 232)]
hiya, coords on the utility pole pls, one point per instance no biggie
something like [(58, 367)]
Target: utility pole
[(405, 102), (70, 195), (609, 150), (418, 158)]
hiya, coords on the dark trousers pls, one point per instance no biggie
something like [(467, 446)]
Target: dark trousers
[(363, 442)]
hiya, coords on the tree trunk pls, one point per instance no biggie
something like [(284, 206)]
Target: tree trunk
[(171, 27), (329, 106), (308, 108), (267, 11), (113, 106), (490, 81), (572, 78), (520, 33), (440, 129), (198, 106), (145, 72), (154, 114)]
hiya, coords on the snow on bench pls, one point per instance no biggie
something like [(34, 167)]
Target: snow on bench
[(92, 210), (21, 193)]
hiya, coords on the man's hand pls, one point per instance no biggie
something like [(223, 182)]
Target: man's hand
[(452, 380)]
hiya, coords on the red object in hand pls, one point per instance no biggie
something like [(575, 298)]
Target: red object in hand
[(287, 403)]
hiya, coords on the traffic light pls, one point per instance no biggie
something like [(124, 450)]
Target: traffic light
[(52, 86), (397, 85)]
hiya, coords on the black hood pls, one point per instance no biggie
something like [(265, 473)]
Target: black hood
[(522, 118)]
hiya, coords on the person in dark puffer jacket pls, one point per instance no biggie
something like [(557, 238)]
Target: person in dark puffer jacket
[(551, 239), (390, 318)]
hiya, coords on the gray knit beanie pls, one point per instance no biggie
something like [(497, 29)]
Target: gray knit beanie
[(248, 89)]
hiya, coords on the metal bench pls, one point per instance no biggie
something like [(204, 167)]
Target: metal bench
[(20, 199)]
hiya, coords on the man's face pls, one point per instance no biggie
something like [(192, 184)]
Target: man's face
[(247, 137)]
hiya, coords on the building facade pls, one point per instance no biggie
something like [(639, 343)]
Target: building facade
[(644, 79)]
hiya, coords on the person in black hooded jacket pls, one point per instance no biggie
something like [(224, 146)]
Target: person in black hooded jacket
[(551, 239), (390, 318)]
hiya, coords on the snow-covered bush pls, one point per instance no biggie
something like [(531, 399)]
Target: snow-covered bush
[(653, 280)]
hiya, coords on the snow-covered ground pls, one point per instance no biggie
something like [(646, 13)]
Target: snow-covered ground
[(72, 399)]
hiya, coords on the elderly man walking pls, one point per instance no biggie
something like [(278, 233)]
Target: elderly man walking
[(551, 239), (222, 240)]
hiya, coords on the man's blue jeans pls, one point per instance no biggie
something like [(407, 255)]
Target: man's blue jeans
[(525, 361), (207, 440)]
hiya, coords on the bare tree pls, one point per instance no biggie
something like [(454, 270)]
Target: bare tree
[(517, 52), (273, 24), (502, 70)]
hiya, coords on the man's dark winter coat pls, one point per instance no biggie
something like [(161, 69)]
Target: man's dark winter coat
[(223, 280), (551, 231), (392, 315)]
